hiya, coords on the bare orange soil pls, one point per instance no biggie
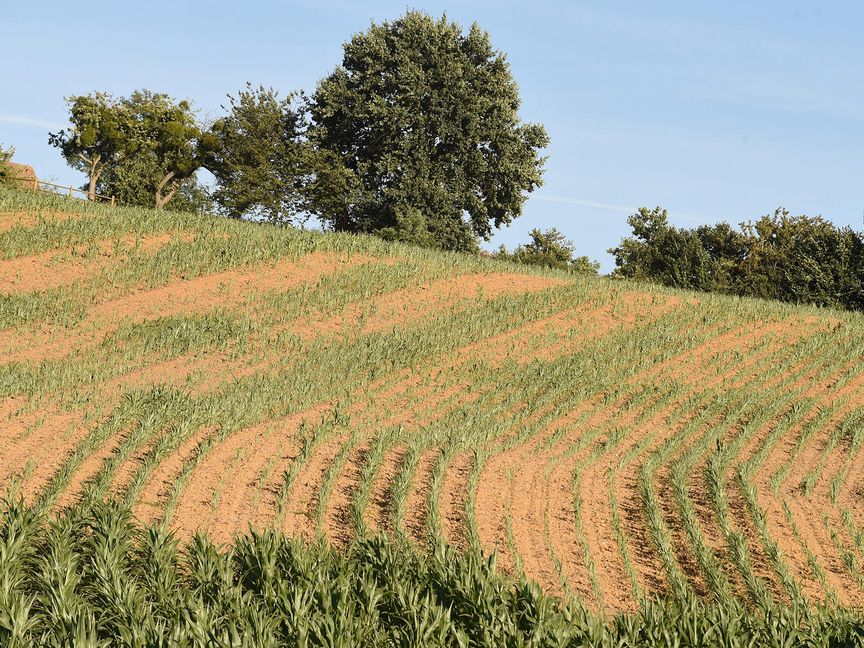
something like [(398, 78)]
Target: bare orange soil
[(408, 305), (10, 220), (66, 266), (193, 296), (574, 440)]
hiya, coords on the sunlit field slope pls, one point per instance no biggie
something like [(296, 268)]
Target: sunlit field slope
[(609, 440)]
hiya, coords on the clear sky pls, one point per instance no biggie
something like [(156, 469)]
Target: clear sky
[(716, 111)]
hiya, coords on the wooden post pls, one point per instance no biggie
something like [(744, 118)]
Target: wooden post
[(70, 190), (112, 201), (35, 184)]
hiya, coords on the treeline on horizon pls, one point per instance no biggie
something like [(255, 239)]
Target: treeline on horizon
[(798, 259), (416, 137)]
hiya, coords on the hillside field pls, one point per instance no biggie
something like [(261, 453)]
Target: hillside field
[(609, 440)]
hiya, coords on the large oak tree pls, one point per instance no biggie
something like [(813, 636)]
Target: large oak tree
[(422, 120)]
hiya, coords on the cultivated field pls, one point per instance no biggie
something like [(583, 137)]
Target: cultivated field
[(608, 440)]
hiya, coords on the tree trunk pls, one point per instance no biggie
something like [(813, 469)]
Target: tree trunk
[(91, 189), (163, 199), (95, 172)]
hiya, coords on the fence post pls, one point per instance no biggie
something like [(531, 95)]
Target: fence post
[(112, 201), (35, 184)]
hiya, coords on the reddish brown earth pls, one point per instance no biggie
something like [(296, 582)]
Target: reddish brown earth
[(236, 471), (193, 296), (65, 266), (9, 220), (408, 305), (157, 489)]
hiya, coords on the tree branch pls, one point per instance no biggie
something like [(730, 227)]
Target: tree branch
[(164, 181)]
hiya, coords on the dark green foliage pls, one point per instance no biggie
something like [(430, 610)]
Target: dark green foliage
[(259, 156), (422, 128), (192, 196), (143, 149), (804, 260), (663, 253), (91, 577), (797, 259), (132, 182), (551, 249)]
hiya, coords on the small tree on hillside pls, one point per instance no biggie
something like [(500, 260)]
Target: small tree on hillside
[(162, 150), (98, 136), (423, 120), (259, 157), (550, 248)]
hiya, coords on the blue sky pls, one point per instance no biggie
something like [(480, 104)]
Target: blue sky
[(716, 111)]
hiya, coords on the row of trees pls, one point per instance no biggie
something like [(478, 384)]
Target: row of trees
[(415, 137), (144, 149), (798, 259)]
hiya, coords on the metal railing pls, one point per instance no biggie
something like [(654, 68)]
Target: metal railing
[(38, 185)]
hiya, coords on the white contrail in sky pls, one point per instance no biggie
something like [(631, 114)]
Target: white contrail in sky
[(622, 209), (27, 121), (585, 203)]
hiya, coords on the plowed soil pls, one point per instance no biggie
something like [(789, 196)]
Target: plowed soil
[(571, 425)]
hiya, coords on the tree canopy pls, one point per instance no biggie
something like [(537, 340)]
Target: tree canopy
[(98, 137), (422, 122), (132, 181), (166, 142), (143, 149), (663, 253), (259, 156)]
